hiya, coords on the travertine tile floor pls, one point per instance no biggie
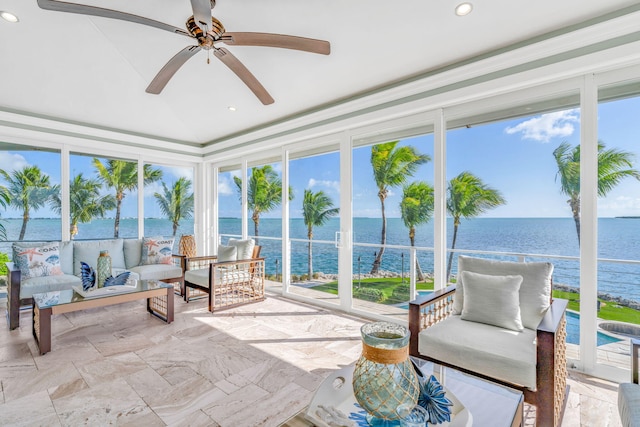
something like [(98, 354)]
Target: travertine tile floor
[(256, 365)]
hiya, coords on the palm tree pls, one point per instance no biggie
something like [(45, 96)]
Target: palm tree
[(5, 199), (28, 189), (391, 168), (122, 176), (264, 193), (468, 197), (416, 208), (85, 202), (317, 208), (177, 202), (613, 166)]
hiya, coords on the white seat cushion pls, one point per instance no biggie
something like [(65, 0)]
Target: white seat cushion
[(224, 276), (38, 285), (629, 404), (496, 352), (157, 271)]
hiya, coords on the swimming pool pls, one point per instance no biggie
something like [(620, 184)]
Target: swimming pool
[(573, 327), (573, 331)]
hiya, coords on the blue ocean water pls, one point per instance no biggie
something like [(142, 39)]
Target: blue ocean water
[(543, 236)]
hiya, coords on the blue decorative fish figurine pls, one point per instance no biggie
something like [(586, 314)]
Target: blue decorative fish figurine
[(88, 276), (432, 399)]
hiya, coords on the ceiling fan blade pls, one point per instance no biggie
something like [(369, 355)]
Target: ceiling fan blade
[(277, 40), (245, 75), (61, 6), (202, 13), (164, 75)]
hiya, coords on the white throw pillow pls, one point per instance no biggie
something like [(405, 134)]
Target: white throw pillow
[(227, 253), (494, 300), (245, 247), (535, 291)]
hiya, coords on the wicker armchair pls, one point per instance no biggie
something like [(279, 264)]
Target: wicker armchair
[(228, 284), (548, 358)]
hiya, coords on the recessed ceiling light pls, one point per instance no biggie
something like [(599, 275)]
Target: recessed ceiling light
[(231, 108), (464, 9), (9, 17)]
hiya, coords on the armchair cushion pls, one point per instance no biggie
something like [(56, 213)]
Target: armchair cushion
[(535, 290), (496, 352), (227, 253), (244, 247), (493, 300), (223, 276)]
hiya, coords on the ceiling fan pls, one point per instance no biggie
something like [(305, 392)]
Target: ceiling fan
[(208, 32)]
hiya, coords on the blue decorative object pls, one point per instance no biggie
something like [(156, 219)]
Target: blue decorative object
[(88, 275), (432, 399), (384, 378)]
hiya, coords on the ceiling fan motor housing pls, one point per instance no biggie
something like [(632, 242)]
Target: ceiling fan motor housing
[(206, 39)]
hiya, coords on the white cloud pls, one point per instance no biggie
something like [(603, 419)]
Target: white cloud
[(547, 126), (12, 161), (177, 172), (225, 186), (334, 185)]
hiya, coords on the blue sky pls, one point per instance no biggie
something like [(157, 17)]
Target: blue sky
[(514, 157)]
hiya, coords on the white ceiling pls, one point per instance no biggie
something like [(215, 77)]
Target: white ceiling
[(94, 71)]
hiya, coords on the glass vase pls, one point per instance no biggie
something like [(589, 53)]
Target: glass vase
[(104, 268), (384, 378)]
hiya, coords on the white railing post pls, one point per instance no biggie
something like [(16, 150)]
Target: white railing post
[(412, 273)]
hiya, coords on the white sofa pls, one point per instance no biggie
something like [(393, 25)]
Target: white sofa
[(126, 254), (499, 322)]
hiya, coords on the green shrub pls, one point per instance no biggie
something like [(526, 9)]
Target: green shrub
[(3, 267), (401, 292), (368, 294)]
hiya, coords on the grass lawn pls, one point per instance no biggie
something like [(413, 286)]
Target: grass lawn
[(384, 285), (608, 309)]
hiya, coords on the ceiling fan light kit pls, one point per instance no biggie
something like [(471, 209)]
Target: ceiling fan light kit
[(207, 31)]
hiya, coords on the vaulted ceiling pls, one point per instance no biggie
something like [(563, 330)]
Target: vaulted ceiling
[(93, 71)]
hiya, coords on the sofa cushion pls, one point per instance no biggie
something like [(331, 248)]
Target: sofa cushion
[(37, 285), (244, 247), (535, 291), (157, 271), (157, 250), (493, 300), (88, 251), (37, 261), (66, 257), (132, 252), (496, 352)]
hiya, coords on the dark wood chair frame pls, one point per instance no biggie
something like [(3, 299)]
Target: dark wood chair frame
[(551, 364)]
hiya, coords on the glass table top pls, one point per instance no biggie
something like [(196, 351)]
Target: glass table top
[(68, 296)]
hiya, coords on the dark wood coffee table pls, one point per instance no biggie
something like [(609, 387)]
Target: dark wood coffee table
[(159, 296)]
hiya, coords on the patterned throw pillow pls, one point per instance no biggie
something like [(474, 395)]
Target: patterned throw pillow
[(38, 261), (157, 250)]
